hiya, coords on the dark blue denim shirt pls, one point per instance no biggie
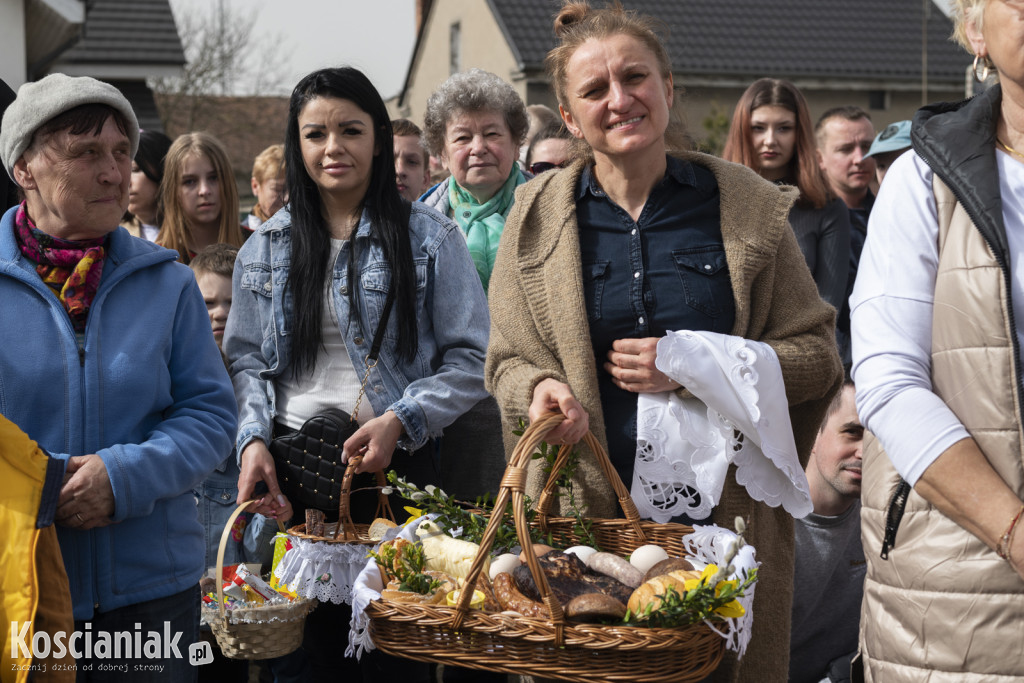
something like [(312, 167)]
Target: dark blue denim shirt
[(665, 271)]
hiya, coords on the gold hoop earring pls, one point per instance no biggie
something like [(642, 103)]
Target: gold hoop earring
[(985, 68)]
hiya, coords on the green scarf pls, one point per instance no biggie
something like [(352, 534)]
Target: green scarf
[(484, 223)]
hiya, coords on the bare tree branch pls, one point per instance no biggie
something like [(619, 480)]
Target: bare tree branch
[(218, 41)]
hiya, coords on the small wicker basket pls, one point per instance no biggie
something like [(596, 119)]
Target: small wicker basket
[(350, 531), (551, 648), (260, 631)]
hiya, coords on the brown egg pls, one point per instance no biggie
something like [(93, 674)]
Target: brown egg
[(539, 549)]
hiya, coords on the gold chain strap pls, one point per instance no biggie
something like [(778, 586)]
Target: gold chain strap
[(362, 387)]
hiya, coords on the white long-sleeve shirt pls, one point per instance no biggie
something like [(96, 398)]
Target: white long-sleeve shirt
[(891, 312)]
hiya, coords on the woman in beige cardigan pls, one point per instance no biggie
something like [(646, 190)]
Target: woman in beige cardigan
[(600, 259)]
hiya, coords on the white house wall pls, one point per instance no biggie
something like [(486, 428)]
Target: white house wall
[(12, 43)]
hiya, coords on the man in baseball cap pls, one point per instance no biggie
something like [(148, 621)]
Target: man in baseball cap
[(889, 144)]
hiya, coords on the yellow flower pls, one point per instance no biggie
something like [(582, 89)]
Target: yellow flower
[(729, 610), (414, 513), (705, 575)]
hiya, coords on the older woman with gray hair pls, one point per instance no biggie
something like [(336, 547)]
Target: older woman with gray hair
[(108, 363), (475, 122), (936, 319)]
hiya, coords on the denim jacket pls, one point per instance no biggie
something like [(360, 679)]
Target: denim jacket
[(442, 381)]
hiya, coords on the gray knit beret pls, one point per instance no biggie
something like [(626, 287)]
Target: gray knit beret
[(42, 100)]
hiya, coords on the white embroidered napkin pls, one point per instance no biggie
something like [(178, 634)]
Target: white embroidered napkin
[(740, 416)]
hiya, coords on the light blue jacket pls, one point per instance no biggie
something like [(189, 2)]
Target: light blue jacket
[(444, 378), (147, 392)]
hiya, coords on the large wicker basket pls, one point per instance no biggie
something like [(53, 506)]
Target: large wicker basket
[(551, 648), (261, 631)]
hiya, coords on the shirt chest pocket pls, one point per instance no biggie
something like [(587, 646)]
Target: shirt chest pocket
[(595, 275), (376, 282), (704, 276), (269, 289)]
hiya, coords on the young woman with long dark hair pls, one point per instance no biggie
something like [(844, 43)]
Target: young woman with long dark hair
[(309, 291)]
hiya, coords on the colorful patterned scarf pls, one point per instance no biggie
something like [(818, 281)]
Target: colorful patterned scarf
[(71, 269), (484, 223)]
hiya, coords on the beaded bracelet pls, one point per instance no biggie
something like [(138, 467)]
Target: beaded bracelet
[(1003, 547)]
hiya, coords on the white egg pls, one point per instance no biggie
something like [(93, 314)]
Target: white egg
[(646, 556), (582, 552), (503, 563)]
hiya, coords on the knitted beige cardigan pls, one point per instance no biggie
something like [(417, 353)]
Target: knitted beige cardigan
[(539, 329)]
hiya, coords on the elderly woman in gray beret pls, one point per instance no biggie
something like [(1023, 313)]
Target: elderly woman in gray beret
[(107, 361), (475, 122)]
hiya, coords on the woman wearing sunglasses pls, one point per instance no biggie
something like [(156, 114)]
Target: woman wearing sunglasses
[(549, 149)]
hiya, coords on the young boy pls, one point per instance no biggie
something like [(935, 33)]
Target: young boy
[(251, 535), (412, 163), (250, 538)]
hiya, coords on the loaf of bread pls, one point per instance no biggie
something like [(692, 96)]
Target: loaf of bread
[(387, 571), (651, 592), (394, 593), (379, 527)]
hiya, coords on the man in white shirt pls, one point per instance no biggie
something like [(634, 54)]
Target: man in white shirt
[(830, 567)]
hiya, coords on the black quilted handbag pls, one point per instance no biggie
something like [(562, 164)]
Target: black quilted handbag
[(308, 462)]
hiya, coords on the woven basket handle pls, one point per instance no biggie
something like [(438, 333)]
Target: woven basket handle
[(223, 546), (345, 504), (513, 484), (548, 495)]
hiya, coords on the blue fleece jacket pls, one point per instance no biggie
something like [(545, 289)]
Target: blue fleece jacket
[(147, 391)]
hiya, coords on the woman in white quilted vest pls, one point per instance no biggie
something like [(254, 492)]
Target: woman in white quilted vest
[(936, 316)]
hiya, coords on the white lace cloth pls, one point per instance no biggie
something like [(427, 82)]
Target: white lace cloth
[(709, 545), (368, 586), (706, 545), (325, 571), (740, 416)]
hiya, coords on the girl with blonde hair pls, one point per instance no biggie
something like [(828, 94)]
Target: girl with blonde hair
[(198, 197)]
